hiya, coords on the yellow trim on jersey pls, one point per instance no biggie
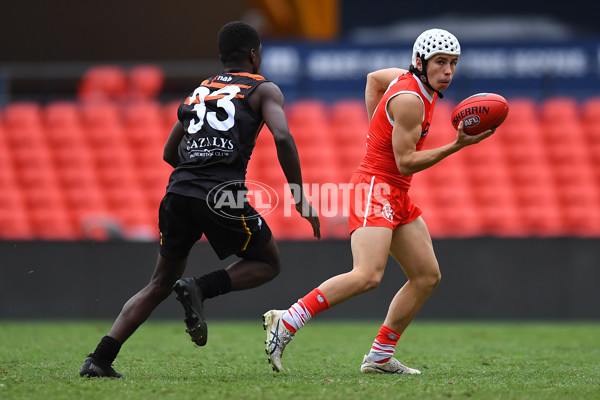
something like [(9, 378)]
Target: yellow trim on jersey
[(247, 231)]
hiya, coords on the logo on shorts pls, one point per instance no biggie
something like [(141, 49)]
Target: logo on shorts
[(229, 199), (387, 212)]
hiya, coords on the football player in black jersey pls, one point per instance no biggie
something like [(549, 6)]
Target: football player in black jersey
[(209, 147)]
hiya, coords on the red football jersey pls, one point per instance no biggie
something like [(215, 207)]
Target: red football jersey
[(379, 158)]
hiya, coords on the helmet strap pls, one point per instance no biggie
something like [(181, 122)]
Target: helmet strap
[(422, 75)]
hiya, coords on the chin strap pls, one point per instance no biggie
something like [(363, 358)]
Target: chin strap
[(423, 75)]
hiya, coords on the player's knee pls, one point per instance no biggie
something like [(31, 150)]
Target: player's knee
[(429, 281), (435, 279), (269, 256), (369, 281), (275, 267), (160, 288)]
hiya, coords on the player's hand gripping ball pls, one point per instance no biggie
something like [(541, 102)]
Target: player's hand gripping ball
[(480, 112)]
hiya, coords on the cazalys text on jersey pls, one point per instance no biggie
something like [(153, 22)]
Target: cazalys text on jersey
[(214, 143)]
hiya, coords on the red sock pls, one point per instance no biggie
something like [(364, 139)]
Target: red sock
[(316, 302), (302, 311), (384, 345)]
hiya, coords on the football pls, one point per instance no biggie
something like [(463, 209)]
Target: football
[(480, 112)]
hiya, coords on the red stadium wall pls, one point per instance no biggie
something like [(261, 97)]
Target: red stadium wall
[(92, 168)]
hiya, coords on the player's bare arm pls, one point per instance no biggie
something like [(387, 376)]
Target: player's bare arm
[(269, 100), (170, 154), (377, 83), (406, 111)]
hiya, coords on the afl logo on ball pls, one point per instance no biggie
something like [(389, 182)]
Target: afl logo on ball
[(471, 121)]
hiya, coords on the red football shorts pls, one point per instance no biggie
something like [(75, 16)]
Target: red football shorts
[(374, 202)]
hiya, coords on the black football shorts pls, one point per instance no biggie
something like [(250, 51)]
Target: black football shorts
[(183, 220)]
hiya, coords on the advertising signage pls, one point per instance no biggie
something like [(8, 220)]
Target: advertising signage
[(538, 70)]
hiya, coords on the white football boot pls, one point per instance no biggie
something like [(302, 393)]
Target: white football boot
[(392, 366), (278, 336)]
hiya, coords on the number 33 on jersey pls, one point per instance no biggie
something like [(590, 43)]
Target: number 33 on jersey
[(219, 123)]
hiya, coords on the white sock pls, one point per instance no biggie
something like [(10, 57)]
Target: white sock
[(296, 316)]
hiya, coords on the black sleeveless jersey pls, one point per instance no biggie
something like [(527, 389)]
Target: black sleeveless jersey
[(220, 133)]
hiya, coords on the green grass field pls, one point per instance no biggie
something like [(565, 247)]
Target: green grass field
[(459, 360)]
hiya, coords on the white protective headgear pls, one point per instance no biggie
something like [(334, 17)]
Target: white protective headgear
[(435, 41)]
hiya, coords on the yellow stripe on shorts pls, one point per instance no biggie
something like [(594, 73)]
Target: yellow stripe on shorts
[(248, 232)]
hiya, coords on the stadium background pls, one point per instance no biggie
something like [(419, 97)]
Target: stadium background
[(88, 94)]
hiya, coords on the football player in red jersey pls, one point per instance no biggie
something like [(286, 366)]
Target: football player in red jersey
[(209, 147), (382, 218)]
